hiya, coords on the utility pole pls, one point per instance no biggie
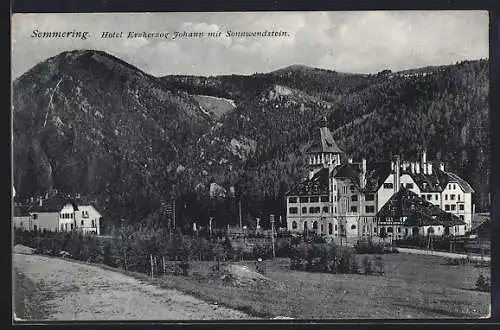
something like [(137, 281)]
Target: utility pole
[(272, 233), (239, 207)]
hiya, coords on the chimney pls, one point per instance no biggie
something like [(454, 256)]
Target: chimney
[(429, 168), (363, 174), (424, 157), (396, 175), (441, 167)]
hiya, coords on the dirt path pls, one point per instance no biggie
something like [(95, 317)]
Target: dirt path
[(77, 291)]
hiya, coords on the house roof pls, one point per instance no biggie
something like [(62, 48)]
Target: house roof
[(317, 185), (21, 211), (326, 143), (52, 204), (418, 211), (483, 230), (466, 187)]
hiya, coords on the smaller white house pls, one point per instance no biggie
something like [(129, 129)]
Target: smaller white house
[(57, 213), (83, 218)]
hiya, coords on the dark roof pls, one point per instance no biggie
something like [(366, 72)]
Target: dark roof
[(21, 211), (317, 185), (418, 211), (466, 187), (434, 182), (325, 144), (376, 173), (52, 204), (483, 230)]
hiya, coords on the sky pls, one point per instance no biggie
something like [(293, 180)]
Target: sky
[(356, 42)]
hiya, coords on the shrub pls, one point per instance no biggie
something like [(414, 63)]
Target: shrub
[(483, 283), (367, 266), (379, 265)]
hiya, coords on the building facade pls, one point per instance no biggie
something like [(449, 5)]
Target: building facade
[(345, 200), (57, 213)]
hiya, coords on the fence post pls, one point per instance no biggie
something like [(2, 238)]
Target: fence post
[(163, 259), (151, 260)]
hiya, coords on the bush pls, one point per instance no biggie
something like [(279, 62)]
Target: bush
[(379, 265), (483, 283), (367, 266)]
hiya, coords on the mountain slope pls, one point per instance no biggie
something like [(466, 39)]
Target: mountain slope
[(85, 121)]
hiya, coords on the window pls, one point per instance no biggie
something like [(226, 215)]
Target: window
[(322, 228), (462, 217), (453, 207), (312, 210), (314, 199), (446, 207), (71, 215), (351, 188), (294, 225), (369, 209), (324, 198), (35, 216), (375, 230), (439, 228), (458, 197), (35, 228), (304, 199), (388, 185), (446, 197), (390, 229), (409, 186), (369, 197), (461, 207), (452, 197), (353, 227), (354, 198), (305, 225), (399, 229), (325, 209), (315, 225), (292, 200), (354, 209), (437, 196), (71, 226), (291, 210), (336, 228), (304, 210), (429, 197), (65, 227), (81, 223), (454, 187)]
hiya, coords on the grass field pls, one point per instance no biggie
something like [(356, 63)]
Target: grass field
[(28, 298), (414, 286)]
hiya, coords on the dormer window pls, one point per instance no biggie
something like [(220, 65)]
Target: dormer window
[(85, 214)]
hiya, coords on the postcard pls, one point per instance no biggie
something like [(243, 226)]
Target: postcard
[(251, 166)]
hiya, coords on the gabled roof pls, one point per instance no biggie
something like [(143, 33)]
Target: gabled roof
[(376, 174), (418, 211), (326, 143), (434, 182), (21, 211), (317, 185), (466, 187), (52, 204)]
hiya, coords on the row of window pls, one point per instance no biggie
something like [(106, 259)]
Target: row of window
[(85, 214), (316, 199), (64, 227), (453, 207), (312, 199), (312, 209)]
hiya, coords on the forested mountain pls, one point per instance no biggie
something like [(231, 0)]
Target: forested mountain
[(130, 140)]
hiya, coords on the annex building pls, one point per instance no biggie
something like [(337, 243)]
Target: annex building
[(354, 200)]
